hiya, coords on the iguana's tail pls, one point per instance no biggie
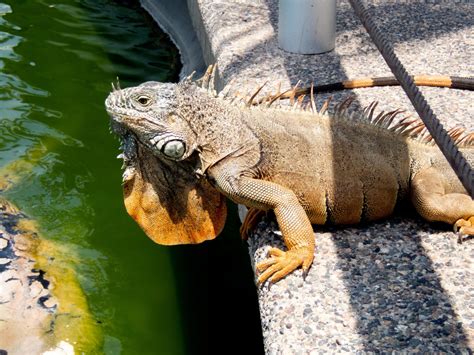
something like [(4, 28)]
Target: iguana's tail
[(453, 82)]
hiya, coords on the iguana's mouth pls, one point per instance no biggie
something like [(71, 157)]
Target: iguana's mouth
[(116, 127)]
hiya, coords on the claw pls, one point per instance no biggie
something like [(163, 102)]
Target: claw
[(464, 228)]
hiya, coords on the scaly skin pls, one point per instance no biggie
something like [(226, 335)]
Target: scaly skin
[(308, 168)]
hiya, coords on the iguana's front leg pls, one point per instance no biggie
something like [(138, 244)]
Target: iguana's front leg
[(292, 219)]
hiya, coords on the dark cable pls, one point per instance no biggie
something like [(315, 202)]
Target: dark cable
[(455, 158)]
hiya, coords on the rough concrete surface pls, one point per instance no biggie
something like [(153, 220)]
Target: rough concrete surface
[(399, 285)]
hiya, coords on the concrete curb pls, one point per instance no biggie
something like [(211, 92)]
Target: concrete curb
[(400, 285)]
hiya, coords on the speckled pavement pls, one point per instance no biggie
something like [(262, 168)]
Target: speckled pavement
[(399, 285)]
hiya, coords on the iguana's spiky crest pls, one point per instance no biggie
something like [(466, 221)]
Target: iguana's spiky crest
[(413, 129)]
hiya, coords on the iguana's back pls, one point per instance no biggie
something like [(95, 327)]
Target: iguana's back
[(342, 170)]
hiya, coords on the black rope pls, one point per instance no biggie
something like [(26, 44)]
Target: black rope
[(439, 134)]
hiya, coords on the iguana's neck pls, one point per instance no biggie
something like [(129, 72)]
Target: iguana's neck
[(218, 126)]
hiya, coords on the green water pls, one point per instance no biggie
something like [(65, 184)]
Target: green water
[(57, 60)]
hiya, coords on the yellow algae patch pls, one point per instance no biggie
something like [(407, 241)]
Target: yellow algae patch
[(13, 172), (38, 317), (73, 321), (69, 320)]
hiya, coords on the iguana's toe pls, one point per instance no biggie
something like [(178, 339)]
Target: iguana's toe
[(463, 223), (283, 263), (276, 252), (468, 230), (464, 227)]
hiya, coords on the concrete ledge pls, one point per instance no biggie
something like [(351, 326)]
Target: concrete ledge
[(398, 285)]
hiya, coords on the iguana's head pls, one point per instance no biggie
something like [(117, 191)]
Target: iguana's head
[(161, 190), (149, 113)]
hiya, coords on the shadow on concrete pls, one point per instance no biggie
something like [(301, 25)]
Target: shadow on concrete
[(432, 24), (395, 291)]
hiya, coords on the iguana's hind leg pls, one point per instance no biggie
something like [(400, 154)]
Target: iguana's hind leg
[(432, 196), (250, 222)]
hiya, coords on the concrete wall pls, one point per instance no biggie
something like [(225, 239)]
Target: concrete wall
[(173, 18)]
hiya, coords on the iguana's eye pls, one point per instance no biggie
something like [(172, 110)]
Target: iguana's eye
[(144, 100)]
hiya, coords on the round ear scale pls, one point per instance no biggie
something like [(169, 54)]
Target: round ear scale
[(170, 145), (174, 149), (170, 204)]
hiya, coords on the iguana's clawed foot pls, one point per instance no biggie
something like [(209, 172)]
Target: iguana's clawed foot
[(282, 263), (464, 227), (251, 219)]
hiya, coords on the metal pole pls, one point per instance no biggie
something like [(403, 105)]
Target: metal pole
[(307, 26)]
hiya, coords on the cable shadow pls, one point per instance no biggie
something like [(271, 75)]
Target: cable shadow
[(395, 290)]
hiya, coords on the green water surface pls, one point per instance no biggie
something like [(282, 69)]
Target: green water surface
[(57, 59)]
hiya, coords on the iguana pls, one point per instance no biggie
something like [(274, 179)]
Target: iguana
[(185, 148)]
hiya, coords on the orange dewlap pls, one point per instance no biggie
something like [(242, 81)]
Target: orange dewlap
[(181, 210)]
